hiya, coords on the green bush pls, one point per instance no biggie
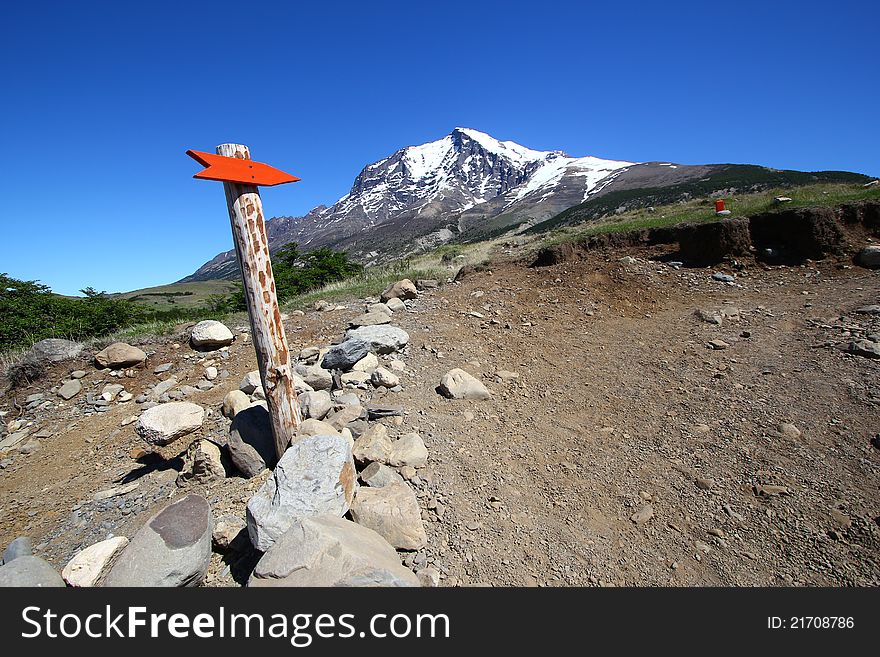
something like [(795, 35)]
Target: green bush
[(296, 273), (30, 311)]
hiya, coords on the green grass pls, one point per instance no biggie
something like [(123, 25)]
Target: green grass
[(178, 295), (703, 209)]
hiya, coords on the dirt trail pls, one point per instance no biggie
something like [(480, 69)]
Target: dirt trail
[(619, 408)]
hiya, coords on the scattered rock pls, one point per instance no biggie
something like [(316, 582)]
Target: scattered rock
[(864, 348), (202, 463), (717, 345), (345, 355), (344, 415), (392, 512), (330, 551), (705, 484), (211, 373), (120, 354), (234, 402), (366, 364), (29, 571), (429, 577), (371, 319), (210, 334), (166, 423), (373, 446), (382, 339), (227, 530), (395, 305), (643, 515), (316, 476), (409, 450), (315, 405), (86, 567), (382, 378), (315, 377), (724, 278), (251, 382), (377, 475), (172, 549), (163, 368), (790, 431), (70, 389), (404, 289), (458, 384)]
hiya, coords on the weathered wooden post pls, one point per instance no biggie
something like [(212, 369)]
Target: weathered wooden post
[(240, 176)]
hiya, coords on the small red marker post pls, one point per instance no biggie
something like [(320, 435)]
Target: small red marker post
[(240, 176)]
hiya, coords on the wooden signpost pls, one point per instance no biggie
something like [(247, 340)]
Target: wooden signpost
[(240, 176)]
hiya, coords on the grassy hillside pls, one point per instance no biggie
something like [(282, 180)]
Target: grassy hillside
[(178, 295), (735, 180), (703, 209)]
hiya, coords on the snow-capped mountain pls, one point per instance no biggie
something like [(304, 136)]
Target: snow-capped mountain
[(422, 196)]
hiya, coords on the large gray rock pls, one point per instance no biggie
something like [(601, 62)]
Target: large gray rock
[(23, 546), (870, 257), (163, 424), (315, 405), (331, 551), (393, 513), (173, 549), (55, 350), (120, 354), (382, 339), (404, 289), (316, 476), (250, 444), (29, 571), (210, 334), (865, 348), (343, 356), (458, 384)]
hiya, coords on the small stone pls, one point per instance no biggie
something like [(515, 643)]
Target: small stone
[(202, 463), (458, 384), (717, 345), (366, 364), (790, 431), (211, 373), (163, 368), (315, 405), (345, 355), (643, 515), (251, 382), (227, 529), (373, 446), (70, 389), (234, 402), (429, 577), (377, 475), (409, 450), (705, 484), (382, 378)]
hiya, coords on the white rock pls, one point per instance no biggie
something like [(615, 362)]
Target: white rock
[(366, 364), (458, 384), (382, 378), (85, 568), (211, 334), (234, 402), (166, 423)]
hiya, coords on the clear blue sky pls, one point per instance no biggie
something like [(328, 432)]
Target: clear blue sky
[(101, 99)]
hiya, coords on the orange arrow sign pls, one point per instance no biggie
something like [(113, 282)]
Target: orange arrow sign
[(232, 169)]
